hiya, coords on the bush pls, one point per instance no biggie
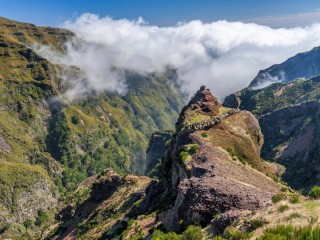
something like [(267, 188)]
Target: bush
[(256, 223), (294, 198), (204, 134), (314, 192), (75, 120), (41, 218), (232, 233), (4, 227), (192, 233), (27, 223), (277, 198), (283, 208)]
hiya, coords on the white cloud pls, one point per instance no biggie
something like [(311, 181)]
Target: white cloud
[(223, 55)]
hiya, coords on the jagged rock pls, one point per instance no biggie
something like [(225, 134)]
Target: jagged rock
[(225, 173), (4, 145), (205, 102), (221, 222)]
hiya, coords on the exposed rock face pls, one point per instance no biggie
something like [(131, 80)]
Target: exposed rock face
[(157, 149), (224, 173), (289, 118), (220, 223), (211, 170), (4, 145), (203, 101)]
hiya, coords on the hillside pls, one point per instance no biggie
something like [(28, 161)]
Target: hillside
[(288, 116), (201, 176), (48, 143), (303, 65)]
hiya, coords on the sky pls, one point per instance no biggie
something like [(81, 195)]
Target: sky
[(276, 13), (219, 43)]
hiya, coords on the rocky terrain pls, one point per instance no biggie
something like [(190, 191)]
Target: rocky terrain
[(205, 173), (288, 116)]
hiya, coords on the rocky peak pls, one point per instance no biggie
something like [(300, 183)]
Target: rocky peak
[(205, 102)]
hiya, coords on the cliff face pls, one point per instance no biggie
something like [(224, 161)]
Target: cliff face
[(288, 116), (216, 169), (156, 150)]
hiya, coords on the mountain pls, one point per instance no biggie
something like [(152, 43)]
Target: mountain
[(303, 65), (48, 145), (288, 116), (211, 167)]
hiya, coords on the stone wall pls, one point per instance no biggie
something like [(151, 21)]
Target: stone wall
[(205, 125)]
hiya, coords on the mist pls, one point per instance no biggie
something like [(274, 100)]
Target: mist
[(225, 56)]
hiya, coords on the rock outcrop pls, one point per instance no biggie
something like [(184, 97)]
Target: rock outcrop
[(213, 170), (217, 169)]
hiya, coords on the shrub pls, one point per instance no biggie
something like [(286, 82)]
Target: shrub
[(158, 235), (293, 215), (295, 198), (192, 233), (277, 198), (27, 223), (4, 227), (204, 134), (41, 218), (256, 223), (283, 208), (283, 189), (232, 233), (314, 192), (75, 119), (184, 156)]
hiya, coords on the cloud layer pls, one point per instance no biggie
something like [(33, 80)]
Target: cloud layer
[(223, 55)]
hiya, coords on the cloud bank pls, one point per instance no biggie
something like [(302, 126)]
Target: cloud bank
[(223, 55)]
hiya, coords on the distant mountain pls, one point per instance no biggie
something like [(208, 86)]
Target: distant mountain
[(302, 65), (289, 119)]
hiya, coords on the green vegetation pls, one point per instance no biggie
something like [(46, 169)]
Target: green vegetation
[(294, 198), (256, 223), (186, 154), (283, 208), (232, 233), (314, 192), (236, 156), (290, 232), (277, 197), (41, 218), (191, 233), (204, 134)]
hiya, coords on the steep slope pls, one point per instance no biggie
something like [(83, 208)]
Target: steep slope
[(211, 166), (63, 143), (302, 65), (288, 116)]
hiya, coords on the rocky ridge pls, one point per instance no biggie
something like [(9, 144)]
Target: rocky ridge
[(203, 173)]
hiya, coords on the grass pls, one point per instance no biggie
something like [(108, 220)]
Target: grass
[(237, 156), (283, 208), (277, 197), (314, 192), (289, 232)]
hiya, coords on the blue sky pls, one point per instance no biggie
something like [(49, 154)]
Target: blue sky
[(162, 12)]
